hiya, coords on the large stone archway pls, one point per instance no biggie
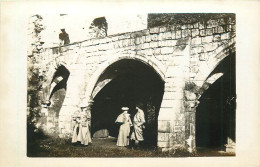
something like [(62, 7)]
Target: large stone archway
[(158, 67), (127, 82)]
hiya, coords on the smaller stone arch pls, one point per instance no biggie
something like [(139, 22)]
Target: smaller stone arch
[(158, 67), (207, 67)]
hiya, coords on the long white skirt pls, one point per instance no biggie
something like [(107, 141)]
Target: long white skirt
[(123, 136)]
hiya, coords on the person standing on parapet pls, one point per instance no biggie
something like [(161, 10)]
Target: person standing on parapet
[(138, 122), (64, 37), (125, 122)]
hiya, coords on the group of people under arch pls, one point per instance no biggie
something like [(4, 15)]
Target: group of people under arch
[(130, 131)]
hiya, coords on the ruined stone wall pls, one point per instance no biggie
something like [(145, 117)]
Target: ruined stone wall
[(182, 55)]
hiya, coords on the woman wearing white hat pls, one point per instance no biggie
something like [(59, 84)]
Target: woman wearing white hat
[(124, 130)]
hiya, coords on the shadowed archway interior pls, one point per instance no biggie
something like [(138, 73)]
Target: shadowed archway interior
[(133, 83), (216, 113)]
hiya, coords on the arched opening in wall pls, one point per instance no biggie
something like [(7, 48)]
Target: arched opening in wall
[(216, 113), (58, 90), (132, 83)]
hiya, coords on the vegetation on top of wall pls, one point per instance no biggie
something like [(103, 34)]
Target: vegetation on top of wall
[(168, 19)]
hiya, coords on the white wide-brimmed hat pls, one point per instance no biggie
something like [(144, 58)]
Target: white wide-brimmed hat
[(125, 108)]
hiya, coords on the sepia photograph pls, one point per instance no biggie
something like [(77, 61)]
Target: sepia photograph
[(131, 85)]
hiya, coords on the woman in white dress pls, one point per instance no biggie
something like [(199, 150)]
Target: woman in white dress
[(81, 126), (84, 130), (124, 130)]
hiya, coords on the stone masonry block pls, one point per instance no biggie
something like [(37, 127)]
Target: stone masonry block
[(207, 39), (167, 103), (168, 95), (163, 144), (177, 96), (148, 52), (195, 32), (162, 29), (146, 45), (179, 129), (225, 36), (229, 28), (168, 35), (171, 42), (184, 27), (185, 33), (211, 46), (154, 37), (196, 41), (148, 38), (220, 29), (143, 39), (174, 70), (216, 38), (154, 30), (166, 50), (178, 34), (162, 43), (202, 32), (157, 51), (164, 126), (173, 35), (153, 44), (203, 57), (209, 31), (196, 25), (163, 137), (201, 25), (137, 41)]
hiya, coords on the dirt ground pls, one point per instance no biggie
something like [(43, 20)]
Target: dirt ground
[(56, 147)]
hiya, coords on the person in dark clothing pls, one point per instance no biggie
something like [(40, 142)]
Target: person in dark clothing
[(64, 37)]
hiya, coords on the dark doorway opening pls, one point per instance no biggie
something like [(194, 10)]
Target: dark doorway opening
[(134, 83), (216, 113)]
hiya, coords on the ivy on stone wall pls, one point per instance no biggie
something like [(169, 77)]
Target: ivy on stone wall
[(34, 75), (168, 19)]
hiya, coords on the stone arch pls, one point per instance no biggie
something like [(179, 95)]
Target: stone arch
[(202, 81), (207, 67), (219, 119), (155, 64)]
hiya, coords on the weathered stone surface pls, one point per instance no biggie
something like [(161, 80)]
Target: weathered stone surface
[(164, 126), (167, 50)]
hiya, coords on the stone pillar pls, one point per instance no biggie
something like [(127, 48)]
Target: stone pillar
[(75, 85), (89, 107), (230, 146), (190, 103), (171, 119)]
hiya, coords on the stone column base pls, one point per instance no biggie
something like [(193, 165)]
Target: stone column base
[(230, 148)]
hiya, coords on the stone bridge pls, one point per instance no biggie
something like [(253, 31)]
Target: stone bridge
[(183, 57)]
